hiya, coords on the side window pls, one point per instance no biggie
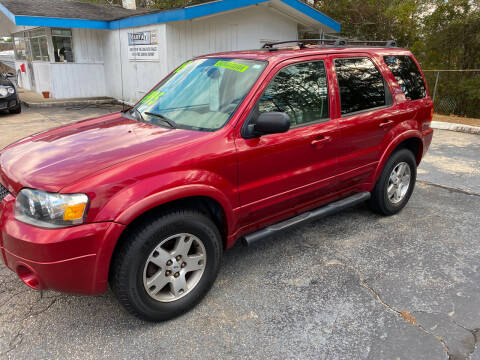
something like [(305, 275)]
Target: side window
[(299, 90), (361, 85), (408, 76)]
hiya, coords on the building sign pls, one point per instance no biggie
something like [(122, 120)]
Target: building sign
[(142, 46)]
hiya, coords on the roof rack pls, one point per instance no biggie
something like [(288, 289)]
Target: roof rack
[(301, 43)]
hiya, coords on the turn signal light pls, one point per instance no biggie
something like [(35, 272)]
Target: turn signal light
[(74, 212)]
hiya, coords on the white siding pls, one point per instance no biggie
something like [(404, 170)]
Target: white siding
[(88, 45), (240, 30), (77, 80), (42, 73), (180, 41), (102, 67), (127, 79), (23, 79)]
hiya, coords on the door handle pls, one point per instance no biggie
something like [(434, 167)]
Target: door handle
[(386, 123), (320, 141)]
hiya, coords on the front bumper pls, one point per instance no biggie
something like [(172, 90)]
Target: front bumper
[(74, 259), (9, 102)]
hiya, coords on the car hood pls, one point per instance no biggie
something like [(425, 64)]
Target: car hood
[(56, 158)]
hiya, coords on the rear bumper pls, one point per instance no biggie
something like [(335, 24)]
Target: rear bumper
[(74, 259), (427, 139)]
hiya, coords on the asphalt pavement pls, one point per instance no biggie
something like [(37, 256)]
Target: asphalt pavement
[(351, 286)]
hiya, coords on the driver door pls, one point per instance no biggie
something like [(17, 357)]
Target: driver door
[(281, 173)]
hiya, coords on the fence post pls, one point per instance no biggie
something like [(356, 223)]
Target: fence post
[(435, 88)]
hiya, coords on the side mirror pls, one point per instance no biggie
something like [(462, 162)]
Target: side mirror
[(270, 123)]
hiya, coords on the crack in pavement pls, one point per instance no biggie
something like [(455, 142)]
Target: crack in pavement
[(18, 337), (476, 336), (407, 316), (445, 187)]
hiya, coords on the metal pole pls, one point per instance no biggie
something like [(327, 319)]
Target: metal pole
[(436, 83)]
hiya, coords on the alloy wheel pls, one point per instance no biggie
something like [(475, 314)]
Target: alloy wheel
[(399, 182), (174, 267)]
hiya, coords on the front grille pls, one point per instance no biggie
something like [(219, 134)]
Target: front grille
[(3, 192)]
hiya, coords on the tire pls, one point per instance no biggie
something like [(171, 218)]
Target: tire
[(16, 110), (389, 204), (138, 263)]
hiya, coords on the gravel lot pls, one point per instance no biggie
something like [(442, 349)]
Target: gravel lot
[(351, 286)]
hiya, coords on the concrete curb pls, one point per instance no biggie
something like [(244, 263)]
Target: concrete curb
[(456, 127), (68, 103)]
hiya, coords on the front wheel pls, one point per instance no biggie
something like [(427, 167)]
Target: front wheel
[(17, 109), (165, 266), (396, 183)]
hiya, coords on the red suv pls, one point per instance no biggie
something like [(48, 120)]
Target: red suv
[(237, 145)]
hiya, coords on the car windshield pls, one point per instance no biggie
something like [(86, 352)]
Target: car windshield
[(201, 94)]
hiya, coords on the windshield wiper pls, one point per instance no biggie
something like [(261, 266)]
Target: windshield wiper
[(165, 119)]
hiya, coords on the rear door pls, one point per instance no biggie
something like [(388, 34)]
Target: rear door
[(366, 113), (281, 172)]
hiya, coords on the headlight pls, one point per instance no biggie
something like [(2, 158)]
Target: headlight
[(6, 90), (50, 210)]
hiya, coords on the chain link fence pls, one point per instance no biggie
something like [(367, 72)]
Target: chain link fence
[(455, 92)]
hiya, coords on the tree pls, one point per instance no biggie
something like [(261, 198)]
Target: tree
[(376, 19)]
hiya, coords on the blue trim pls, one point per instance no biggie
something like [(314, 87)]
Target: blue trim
[(165, 16), (7, 13), (314, 14), (60, 22), (183, 14)]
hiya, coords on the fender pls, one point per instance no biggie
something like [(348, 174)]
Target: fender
[(117, 227), (177, 193), (413, 133)]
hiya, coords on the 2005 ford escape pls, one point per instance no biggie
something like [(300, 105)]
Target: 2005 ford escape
[(229, 146)]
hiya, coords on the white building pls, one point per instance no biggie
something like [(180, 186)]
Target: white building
[(76, 50)]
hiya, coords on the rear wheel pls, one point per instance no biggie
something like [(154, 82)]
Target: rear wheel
[(396, 183), (165, 266)]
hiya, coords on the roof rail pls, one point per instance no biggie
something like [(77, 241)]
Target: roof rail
[(333, 42)]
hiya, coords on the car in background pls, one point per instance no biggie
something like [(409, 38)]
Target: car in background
[(9, 99)]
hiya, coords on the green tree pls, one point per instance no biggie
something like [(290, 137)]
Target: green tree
[(376, 19)]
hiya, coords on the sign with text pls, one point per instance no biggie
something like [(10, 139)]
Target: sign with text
[(142, 46)]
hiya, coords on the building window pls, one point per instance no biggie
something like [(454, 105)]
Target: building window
[(20, 46), (62, 45), (39, 45)]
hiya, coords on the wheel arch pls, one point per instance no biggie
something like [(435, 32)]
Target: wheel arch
[(208, 200), (410, 140)]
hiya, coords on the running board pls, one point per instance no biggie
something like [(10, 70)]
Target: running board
[(317, 213)]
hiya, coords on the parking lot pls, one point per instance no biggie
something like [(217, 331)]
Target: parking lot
[(351, 286)]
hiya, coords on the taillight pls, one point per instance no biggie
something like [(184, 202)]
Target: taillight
[(431, 114)]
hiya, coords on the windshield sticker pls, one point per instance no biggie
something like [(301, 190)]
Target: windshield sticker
[(152, 97), (183, 66), (231, 65)]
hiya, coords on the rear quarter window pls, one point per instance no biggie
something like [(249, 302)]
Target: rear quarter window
[(408, 76)]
